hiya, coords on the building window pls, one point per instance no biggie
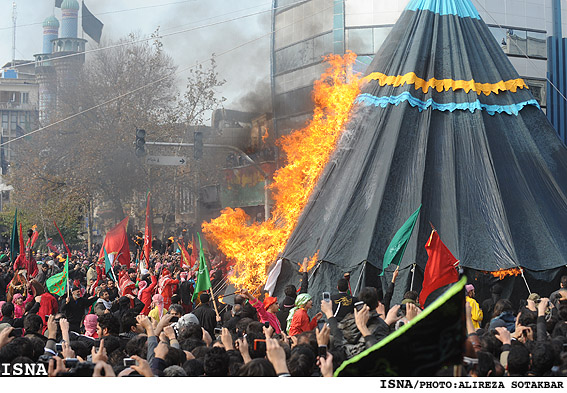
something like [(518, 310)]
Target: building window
[(303, 53), (25, 98), (186, 201), (537, 44), (538, 87), (519, 42), (366, 41)]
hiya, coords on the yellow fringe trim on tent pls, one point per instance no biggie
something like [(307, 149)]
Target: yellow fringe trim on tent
[(446, 84)]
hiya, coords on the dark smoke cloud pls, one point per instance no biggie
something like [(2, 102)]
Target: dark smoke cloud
[(246, 69)]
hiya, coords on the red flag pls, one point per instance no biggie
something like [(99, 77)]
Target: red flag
[(440, 269), (22, 248), (116, 242), (51, 246), (148, 234), (193, 258), (185, 257), (63, 240)]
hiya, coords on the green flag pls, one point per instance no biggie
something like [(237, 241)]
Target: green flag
[(432, 340), (203, 281), (397, 247), (57, 284), (108, 266), (15, 240)]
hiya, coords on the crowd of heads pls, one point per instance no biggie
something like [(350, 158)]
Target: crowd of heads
[(135, 326)]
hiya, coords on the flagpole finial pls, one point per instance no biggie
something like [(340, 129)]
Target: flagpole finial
[(432, 227)]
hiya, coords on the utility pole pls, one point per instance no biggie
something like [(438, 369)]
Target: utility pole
[(14, 17)]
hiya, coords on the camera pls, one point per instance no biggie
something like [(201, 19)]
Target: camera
[(58, 347), (17, 332), (402, 310), (259, 345), (322, 351), (218, 330), (326, 296), (174, 319), (71, 362), (266, 324), (359, 305), (129, 362)]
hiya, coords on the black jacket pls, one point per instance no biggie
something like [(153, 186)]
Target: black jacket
[(207, 318), (344, 303), (75, 310)]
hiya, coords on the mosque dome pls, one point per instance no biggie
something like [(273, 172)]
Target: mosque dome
[(70, 5), (51, 21)]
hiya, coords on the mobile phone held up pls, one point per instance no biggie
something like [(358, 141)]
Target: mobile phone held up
[(326, 296), (17, 332), (322, 351), (129, 362), (259, 345)]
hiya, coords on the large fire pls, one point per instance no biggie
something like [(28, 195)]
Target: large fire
[(500, 274), (255, 246)]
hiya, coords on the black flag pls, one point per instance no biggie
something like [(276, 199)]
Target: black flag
[(58, 3), (91, 25), (430, 341)]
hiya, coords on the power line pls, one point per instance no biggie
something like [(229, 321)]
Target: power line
[(113, 12), (163, 35), (119, 97)]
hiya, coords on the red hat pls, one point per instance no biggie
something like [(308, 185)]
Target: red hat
[(268, 301)]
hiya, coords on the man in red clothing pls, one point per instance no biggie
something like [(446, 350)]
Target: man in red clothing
[(29, 264), (165, 287), (267, 310)]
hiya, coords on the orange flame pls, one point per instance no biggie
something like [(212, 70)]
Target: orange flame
[(500, 274), (265, 136), (255, 246)]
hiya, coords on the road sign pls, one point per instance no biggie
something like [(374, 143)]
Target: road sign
[(165, 160)]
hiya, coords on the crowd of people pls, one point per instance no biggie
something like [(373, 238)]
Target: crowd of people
[(148, 322)]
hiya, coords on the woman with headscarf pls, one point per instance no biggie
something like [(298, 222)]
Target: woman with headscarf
[(19, 306), (159, 310), (298, 321)]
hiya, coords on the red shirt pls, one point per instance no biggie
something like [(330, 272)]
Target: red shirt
[(301, 323)]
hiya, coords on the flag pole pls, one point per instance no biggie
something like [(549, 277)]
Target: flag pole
[(412, 277), (214, 302), (525, 281), (359, 279)]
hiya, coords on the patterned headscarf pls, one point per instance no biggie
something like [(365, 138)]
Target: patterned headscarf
[(141, 286), (300, 301), (158, 301)]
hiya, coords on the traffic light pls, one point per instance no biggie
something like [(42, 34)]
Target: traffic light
[(140, 142), (198, 145)]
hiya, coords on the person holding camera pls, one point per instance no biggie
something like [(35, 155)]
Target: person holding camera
[(363, 328), (343, 302)]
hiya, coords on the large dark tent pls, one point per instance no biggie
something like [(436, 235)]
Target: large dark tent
[(444, 121)]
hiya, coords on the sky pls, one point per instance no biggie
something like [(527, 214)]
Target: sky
[(246, 69)]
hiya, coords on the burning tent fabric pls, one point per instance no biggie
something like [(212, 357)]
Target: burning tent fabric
[(444, 120)]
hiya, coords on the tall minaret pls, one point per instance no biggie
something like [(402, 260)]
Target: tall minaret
[(45, 72), (50, 32), (69, 18), (68, 50)]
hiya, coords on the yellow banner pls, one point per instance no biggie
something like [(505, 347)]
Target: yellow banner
[(446, 84)]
